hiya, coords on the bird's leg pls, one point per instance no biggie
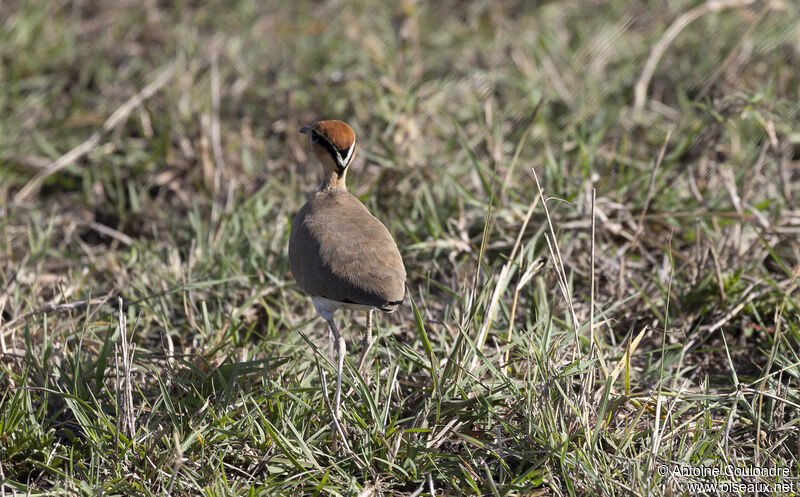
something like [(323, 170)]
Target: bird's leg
[(341, 348), (367, 341), (331, 340)]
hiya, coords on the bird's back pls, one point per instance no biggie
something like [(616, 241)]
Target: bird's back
[(339, 251)]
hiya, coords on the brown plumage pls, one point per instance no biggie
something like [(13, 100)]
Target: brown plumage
[(339, 253), (337, 249), (340, 134)]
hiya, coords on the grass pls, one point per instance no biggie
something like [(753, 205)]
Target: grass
[(212, 376)]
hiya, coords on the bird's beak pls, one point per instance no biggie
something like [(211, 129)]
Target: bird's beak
[(304, 130)]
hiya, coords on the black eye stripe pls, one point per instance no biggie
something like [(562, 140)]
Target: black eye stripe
[(318, 138), (337, 155)]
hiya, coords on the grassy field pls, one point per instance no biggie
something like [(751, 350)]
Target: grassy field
[(153, 341)]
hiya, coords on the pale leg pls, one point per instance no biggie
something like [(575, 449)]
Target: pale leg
[(341, 348), (326, 308), (331, 341), (367, 341)]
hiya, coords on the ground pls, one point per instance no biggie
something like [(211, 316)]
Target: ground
[(597, 204)]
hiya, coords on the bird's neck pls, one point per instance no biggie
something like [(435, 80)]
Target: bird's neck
[(331, 179)]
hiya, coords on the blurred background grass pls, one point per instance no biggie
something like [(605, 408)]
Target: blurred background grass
[(182, 208)]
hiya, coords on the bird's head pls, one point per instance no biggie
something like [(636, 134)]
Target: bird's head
[(334, 144)]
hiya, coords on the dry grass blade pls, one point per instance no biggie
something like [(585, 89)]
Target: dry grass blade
[(625, 361), (126, 388), (749, 296), (558, 264), (588, 381), (111, 232), (8, 287), (640, 89), (592, 283), (529, 273), (500, 287), (503, 277), (650, 186), (49, 309), (118, 117)]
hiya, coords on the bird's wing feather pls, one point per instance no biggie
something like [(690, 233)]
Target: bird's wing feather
[(339, 251)]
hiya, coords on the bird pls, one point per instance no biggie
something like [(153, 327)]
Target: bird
[(341, 255)]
